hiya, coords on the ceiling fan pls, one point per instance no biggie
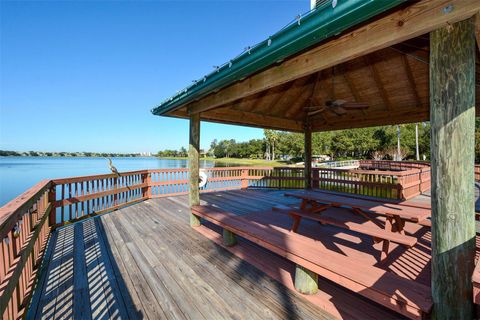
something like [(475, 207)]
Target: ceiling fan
[(338, 107)]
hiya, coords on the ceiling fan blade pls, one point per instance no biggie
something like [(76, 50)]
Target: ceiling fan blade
[(339, 111), (311, 113), (355, 105), (314, 108)]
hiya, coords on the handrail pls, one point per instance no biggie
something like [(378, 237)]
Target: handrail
[(26, 221), (24, 230)]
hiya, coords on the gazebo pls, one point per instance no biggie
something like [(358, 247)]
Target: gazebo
[(366, 63)]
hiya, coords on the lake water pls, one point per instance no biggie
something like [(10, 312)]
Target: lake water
[(17, 174)]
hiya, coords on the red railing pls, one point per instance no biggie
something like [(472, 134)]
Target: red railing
[(24, 230), (26, 221)]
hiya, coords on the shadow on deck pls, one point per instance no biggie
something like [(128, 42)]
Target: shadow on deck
[(144, 261)]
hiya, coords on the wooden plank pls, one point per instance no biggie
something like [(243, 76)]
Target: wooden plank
[(168, 305), (95, 272), (372, 65), (135, 281), (41, 284), (254, 289), (173, 285), (114, 298), (367, 229), (64, 291), (185, 284), (253, 118), (409, 213), (81, 304), (412, 294), (411, 21), (46, 305), (452, 105)]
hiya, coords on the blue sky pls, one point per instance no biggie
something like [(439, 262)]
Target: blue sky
[(83, 76)]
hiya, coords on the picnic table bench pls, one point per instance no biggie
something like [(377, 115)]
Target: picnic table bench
[(405, 296), (315, 202), (372, 230)]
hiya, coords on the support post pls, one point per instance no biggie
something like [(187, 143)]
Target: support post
[(452, 117), (193, 165), (306, 281), (244, 179), (229, 238), (308, 155), (52, 198)]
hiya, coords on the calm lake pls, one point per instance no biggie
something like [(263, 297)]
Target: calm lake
[(17, 174)]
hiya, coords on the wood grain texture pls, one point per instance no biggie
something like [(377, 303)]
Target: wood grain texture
[(452, 119), (308, 156), (306, 281), (412, 20), (193, 165)]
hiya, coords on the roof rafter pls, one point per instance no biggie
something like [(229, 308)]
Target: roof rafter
[(411, 80), (417, 19), (378, 82), (252, 119)]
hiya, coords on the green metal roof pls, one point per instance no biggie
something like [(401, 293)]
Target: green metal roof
[(307, 30)]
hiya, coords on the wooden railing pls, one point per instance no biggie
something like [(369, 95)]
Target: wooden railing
[(26, 221), (24, 230)]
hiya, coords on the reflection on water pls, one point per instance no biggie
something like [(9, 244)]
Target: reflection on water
[(17, 174)]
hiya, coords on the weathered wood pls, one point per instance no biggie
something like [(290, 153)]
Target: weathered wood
[(229, 238), (193, 165), (306, 281), (400, 25), (308, 155), (369, 281), (452, 119)]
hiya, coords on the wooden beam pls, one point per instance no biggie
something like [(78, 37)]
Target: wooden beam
[(411, 79), (452, 119), (253, 105), (351, 86), (193, 165), (280, 96), (254, 119), (308, 156), (378, 82), (400, 25), (387, 118), (299, 100)]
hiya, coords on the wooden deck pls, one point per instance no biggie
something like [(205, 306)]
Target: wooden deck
[(144, 261)]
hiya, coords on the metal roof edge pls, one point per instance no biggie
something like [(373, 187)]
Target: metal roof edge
[(315, 26)]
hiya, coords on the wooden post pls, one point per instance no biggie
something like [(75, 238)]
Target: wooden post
[(229, 238), (308, 155), (244, 178), (306, 281), (52, 198), (149, 185), (193, 165), (452, 118)]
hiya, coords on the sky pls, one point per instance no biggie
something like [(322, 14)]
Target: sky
[(83, 75)]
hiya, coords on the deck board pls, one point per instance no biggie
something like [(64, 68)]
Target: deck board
[(144, 261)]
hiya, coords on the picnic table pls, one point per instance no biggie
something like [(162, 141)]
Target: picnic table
[(315, 202)]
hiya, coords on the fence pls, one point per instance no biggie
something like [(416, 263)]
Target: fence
[(26, 221)]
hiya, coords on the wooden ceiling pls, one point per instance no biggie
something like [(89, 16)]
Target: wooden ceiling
[(392, 81)]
